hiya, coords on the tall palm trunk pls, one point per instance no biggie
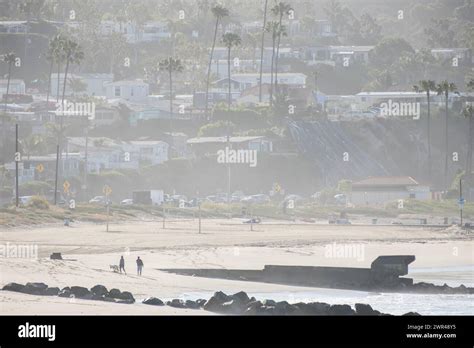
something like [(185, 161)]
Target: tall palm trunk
[(229, 101), (429, 134), (261, 51), (57, 87), (446, 143), (469, 148), (171, 100), (49, 81), (229, 97), (271, 69), (278, 53), (65, 82), (8, 84), (209, 67)]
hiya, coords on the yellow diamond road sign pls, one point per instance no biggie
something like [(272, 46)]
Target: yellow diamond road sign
[(107, 190), (40, 168), (66, 186), (277, 187)]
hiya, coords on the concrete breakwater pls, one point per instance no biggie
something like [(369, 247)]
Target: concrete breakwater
[(385, 274), (237, 304)]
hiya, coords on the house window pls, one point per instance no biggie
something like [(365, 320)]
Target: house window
[(117, 91)]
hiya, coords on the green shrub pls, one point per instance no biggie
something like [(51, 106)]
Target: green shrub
[(38, 202)]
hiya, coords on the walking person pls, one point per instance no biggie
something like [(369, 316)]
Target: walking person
[(122, 265), (139, 266)]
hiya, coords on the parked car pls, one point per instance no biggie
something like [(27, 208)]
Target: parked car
[(22, 200), (127, 201), (256, 199), (100, 200)]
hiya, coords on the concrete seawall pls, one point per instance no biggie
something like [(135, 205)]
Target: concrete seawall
[(385, 272)]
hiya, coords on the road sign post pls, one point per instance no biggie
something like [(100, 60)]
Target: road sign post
[(199, 215), (107, 190), (461, 200)]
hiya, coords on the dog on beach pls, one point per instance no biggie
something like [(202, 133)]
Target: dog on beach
[(114, 268)]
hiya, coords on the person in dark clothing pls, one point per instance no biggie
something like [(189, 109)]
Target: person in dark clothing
[(122, 265), (139, 266)]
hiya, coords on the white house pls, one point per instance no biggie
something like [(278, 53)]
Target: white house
[(16, 87), (127, 89), (244, 81), (153, 152), (464, 55), (107, 154), (148, 32), (13, 26)]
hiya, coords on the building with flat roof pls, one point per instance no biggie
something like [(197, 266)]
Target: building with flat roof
[(379, 190)]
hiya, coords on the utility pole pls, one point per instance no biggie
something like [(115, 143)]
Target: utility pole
[(461, 200), (84, 186), (56, 178), (108, 213), (199, 215), (17, 160), (164, 215)]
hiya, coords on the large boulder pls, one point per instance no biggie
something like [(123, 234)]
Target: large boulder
[(108, 299), (114, 293), (341, 310), (153, 301), (35, 288), (214, 304), (234, 306), (319, 308), (241, 296), (14, 287), (176, 303), (192, 304), (126, 296), (81, 292), (222, 297), (284, 308), (253, 308), (56, 256), (99, 290), (201, 302), (312, 308), (54, 291), (66, 292), (269, 303), (365, 309)]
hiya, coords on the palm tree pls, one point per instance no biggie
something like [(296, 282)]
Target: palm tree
[(171, 65), (219, 12), (73, 55), (467, 112), (427, 86), (35, 143), (262, 49), (445, 88), (52, 56), (8, 58), (279, 10), (230, 40), (273, 28)]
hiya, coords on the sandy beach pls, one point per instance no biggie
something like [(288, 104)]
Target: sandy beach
[(442, 255)]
